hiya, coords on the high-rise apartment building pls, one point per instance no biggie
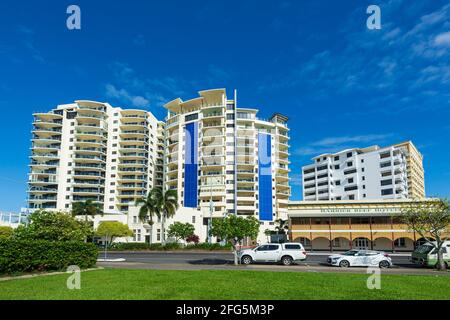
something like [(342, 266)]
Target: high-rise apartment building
[(223, 160), (91, 150), (393, 172)]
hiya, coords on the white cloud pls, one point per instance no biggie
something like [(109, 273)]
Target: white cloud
[(124, 95), (442, 39), (346, 139), (334, 144)]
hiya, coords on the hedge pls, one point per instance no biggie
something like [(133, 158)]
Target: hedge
[(41, 255), (133, 246)]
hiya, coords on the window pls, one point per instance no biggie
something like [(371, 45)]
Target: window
[(337, 242), (351, 197), (349, 154), (191, 117), (386, 192), (336, 158), (292, 246), (363, 178), (349, 164), (400, 242), (385, 164), (386, 182), (230, 116), (362, 169), (385, 155), (338, 182), (350, 180), (336, 167), (193, 219)]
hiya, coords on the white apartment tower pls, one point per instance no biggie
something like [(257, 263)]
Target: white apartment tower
[(224, 160), (357, 174), (91, 150)]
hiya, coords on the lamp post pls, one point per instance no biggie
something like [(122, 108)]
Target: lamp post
[(211, 205)]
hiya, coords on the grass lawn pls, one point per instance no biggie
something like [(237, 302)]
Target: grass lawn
[(212, 284)]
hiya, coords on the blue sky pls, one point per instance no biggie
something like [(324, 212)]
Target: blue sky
[(341, 84)]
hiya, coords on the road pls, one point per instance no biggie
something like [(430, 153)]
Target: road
[(224, 261), (219, 258)]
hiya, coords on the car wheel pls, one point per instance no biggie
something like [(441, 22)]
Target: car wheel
[(286, 260), (344, 264), (246, 260), (384, 264)]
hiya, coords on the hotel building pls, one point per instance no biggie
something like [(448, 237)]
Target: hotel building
[(352, 224), (91, 150), (393, 172)]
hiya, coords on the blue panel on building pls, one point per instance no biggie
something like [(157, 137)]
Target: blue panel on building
[(191, 166), (265, 177)]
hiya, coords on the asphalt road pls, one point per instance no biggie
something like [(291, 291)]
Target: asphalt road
[(214, 258), (315, 262)]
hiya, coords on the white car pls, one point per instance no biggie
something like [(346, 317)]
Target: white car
[(286, 253), (360, 258)]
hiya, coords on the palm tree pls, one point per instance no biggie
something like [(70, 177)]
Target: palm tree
[(86, 208), (147, 211), (282, 226), (166, 204)]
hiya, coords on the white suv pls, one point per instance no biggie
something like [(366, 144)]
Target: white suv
[(286, 253)]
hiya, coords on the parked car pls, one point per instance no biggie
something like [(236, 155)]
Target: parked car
[(426, 254), (286, 253), (360, 258)]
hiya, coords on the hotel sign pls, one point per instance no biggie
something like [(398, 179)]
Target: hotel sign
[(362, 210)]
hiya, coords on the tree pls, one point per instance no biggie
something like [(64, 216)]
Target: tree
[(179, 230), (53, 226), (429, 218), (234, 229), (111, 230), (6, 232), (86, 208), (148, 210), (166, 204)]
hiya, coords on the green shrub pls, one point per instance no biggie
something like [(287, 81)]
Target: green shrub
[(6, 232), (124, 246), (42, 255), (208, 246)]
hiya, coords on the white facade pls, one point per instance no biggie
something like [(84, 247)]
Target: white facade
[(357, 174), (91, 150), (228, 158)]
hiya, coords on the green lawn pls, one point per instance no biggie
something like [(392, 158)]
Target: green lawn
[(152, 284)]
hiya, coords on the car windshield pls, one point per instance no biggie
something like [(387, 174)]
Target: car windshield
[(350, 253), (424, 249)]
